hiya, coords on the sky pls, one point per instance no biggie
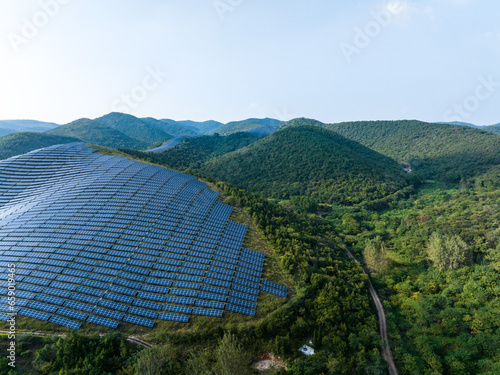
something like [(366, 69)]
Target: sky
[(225, 60)]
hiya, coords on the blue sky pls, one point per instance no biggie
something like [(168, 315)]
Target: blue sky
[(332, 60)]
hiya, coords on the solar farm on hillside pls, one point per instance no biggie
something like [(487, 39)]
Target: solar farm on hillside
[(104, 239)]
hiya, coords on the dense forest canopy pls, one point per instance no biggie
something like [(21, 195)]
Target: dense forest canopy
[(313, 162)]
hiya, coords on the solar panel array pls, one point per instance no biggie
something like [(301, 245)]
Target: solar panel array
[(105, 239)]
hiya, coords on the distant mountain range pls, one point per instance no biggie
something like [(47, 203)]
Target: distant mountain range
[(117, 130), (14, 126), (444, 152)]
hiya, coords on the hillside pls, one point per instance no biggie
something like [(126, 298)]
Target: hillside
[(437, 151), (23, 142), (245, 124), (171, 127), (310, 161), (492, 128), (203, 127), (194, 152), (93, 131), (134, 128)]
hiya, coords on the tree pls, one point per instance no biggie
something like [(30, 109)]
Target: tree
[(231, 358), (375, 255), (159, 360), (447, 253)]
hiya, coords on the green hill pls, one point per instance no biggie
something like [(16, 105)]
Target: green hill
[(245, 124), (203, 127), (437, 151), (310, 161), (171, 127), (194, 152), (93, 131), (492, 128), (23, 142), (134, 128)]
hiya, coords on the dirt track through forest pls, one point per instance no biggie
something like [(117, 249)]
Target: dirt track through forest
[(386, 349)]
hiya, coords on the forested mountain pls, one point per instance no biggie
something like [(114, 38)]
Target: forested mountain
[(310, 161), (492, 128), (437, 151), (203, 127), (134, 128), (22, 142), (95, 132), (245, 124), (171, 127), (194, 152)]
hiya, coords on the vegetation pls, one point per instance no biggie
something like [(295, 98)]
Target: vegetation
[(313, 162), (203, 127), (23, 142), (441, 152), (492, 128), (235, 126), (116, 130), (172, 127), (194, 152), (92, 131), (441, 285)]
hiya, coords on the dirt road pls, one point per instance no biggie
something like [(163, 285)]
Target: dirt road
[(386, 349)]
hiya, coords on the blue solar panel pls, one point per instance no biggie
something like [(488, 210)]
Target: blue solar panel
[(207, 312), (122, 217), (34, 314), (42, 306), (113, 305), (65, 322), (78, 306), (174, 317), (4, 316), (241, 310), (143, 312), (139, 321), (102, 321), (155, 289), (276, 292), (147, 304), (108, 313), (71, 313), (182, 300)]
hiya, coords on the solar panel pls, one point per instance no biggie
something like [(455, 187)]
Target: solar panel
[(276, 292), (108, 313), (118, 229), (102, 321), (42, 306), (71, 313), (207, 312), (174, 317), (240, 310), (143, 312), (138, 321), (78, 305), (34, 314), (65, 322)]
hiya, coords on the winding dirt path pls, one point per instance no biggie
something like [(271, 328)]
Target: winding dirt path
[(386, 349)]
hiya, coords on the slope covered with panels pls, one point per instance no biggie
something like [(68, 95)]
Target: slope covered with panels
[(105, 239)]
